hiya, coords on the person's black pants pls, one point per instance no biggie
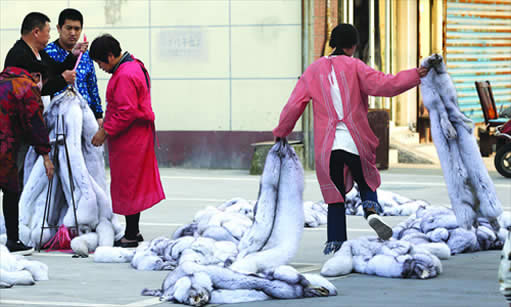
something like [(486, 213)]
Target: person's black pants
[(132, 226), (336, 227), (11, 214)]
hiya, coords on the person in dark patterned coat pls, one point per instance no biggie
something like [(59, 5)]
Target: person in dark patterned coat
[(21, 120)]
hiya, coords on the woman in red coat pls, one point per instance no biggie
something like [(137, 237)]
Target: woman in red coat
[(344, 144), (129, 127)]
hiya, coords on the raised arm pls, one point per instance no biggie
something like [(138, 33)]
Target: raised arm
[(376, 83), (293, 109)]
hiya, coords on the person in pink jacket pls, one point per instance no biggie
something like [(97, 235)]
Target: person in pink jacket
[(344, 144), (129, 127)]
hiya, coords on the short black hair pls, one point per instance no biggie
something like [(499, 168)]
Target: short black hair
[(33, 20), (70, 14), (343, 36), (102, 46)]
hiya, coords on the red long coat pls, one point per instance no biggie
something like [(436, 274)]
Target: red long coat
[(356, 81), (129, 122)]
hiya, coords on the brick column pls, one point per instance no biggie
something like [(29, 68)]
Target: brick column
[(320, 24)]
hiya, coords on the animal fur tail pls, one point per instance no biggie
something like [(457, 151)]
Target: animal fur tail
[(149, 292)]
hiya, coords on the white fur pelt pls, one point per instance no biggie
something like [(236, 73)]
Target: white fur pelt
[(197, 285), (393, 258), (166, 254), (392, 203), (108, 254), (439, 224), (278, 246), (92, 199), (17, 270), (430, 234), (470, 188)]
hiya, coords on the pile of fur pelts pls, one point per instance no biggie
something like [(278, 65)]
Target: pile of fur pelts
[(17, 270), (237, 252), (392, 204), (69, 113), (432, 233)]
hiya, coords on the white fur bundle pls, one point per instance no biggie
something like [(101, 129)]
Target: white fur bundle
[(108, 254), (439, 224), (470, 188), (394, 258), (197, 285), (17, 270), (93, 204)]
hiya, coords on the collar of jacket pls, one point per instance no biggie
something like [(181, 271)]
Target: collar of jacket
[(126, 57)]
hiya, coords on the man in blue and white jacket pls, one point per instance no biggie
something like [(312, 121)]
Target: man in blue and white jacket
[(70, 28)]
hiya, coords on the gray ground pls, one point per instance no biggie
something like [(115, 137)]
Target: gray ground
[(467, 280)]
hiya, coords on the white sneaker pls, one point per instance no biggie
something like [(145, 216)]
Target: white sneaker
[(383, 231)]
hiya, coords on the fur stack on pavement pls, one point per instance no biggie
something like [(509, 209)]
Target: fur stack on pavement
[(17, 270)]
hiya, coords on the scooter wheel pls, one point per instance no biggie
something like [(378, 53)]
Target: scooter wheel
[(503, 160)]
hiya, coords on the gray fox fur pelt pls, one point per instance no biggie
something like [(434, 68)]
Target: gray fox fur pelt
[(471, 191)]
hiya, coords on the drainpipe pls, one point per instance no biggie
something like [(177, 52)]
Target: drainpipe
[(388, 41), (307, 56), (371, 45)]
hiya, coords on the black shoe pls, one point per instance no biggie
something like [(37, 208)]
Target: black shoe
[(140, 238), (18, 248), (383, 231), (119, 243)]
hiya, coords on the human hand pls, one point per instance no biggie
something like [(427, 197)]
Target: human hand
[(99, 138), (48, 165), (69, 76), (80, 48), (423, 71)]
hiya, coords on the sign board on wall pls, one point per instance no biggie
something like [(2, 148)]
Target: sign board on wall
[(189, 43)]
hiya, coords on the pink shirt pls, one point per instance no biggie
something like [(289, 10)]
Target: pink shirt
[(356, 81)]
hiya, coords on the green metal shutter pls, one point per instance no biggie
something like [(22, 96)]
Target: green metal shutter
[(477, 46)]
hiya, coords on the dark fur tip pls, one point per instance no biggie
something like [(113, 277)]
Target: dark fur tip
[(228, 262), (332, 247)]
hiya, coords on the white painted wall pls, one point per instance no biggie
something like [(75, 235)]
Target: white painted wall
[(215, 64)]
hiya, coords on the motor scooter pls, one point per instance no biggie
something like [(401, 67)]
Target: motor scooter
[(503, 156)]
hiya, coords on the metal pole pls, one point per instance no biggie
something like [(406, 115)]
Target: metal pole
[(345, 11), (307, 58), (352, 12), (371, 44), (388, 41)]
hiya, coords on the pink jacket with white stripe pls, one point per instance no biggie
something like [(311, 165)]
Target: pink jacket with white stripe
[(356, 81)]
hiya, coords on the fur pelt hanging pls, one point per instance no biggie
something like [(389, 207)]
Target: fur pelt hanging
[(470, 188), (93, 205)]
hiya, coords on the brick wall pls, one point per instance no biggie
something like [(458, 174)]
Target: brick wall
[(320, 24)]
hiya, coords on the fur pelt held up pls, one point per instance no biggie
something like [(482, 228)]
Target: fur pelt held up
[(470, 188), (93, 205)]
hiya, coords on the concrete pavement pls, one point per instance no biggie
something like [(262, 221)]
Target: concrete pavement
[(467, 280)]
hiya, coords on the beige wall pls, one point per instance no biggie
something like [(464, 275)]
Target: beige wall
[(215, 64), (404, 57)]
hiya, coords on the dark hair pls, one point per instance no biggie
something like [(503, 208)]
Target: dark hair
[(33, 20), (70, 14), (102, 46), (343, 36)]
